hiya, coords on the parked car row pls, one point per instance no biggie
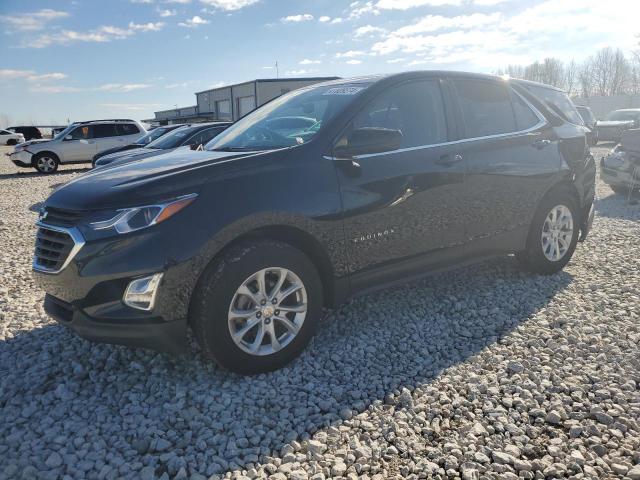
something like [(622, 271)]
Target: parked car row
[(322, 193)]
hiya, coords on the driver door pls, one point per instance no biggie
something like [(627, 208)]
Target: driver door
[(79, 145), (401, 208)]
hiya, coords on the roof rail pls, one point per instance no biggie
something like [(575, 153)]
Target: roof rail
[(107, 120)]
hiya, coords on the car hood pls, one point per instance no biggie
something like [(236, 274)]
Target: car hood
[(614, 123), (121, 152), (36, 140), (169, 175)]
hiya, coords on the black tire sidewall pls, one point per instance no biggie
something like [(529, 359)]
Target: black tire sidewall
[(215, 292), (39, 155), (535, 258)]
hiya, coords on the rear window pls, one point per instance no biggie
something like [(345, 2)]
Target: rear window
[(127, 129), (485, 107), (556, 101), (104, 130)]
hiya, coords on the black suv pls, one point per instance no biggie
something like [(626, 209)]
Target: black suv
[(30, 133), (247, 241)]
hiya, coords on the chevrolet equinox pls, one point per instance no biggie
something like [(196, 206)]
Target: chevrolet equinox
[(322, 193)]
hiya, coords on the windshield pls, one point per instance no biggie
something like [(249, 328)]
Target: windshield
[(172, 139), (586, 114), (64, 132), (292, 119), (621, 116), (152, 135)]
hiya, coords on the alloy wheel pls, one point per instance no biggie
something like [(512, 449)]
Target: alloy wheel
[(46, 164), (267, 311), (557, 233)]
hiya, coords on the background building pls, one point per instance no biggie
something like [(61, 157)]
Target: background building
[(232, 102)]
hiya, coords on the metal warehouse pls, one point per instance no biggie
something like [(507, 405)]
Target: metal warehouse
[(232, 102)]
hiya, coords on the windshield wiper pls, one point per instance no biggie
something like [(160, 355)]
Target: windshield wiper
[(234, 149)]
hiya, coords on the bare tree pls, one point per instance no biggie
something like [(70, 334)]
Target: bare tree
[(609, 71), (571, 80)]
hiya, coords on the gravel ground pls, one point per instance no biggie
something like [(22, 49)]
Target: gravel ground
[(484, 372)]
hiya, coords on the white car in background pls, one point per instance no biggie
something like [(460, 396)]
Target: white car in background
[(77, 143), (10, 138)]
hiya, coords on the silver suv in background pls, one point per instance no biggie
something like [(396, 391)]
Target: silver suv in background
[(77, 143)]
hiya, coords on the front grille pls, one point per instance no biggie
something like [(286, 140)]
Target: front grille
[(62, 218), (55, 247)]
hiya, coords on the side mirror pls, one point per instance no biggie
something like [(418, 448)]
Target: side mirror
[(86, 142), (195, 146), (369, 140), (68, 137)]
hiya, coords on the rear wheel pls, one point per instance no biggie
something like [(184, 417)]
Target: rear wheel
[(256, 309), (553, 234), (12, 141), (45, 162)]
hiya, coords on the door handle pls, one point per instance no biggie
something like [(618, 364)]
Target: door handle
[(541, 143), (449, 160)]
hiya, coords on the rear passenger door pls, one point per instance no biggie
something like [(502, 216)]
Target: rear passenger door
[(400, 208), (106, 136), (128, 132), (511, 156)]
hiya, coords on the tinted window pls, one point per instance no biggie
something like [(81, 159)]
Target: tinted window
[(525, 117), (82, 133), (104, 130), (172, 139), (4, 132), (622, 115), (485, 107), (203, 136), (127, 129), (556, 101), (586, 114), (416, 109)]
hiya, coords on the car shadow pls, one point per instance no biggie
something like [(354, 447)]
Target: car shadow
[(6, 176), (371, 347)]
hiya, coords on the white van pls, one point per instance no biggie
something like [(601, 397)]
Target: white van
[(77, 143)]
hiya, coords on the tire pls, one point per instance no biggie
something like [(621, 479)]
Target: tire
[(538, 259), (46, 162), (12, 141), (217, 292)]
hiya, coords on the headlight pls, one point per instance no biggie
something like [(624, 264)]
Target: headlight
[(131, 219)]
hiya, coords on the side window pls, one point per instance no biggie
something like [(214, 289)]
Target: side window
[(525, 117), (127, 129), (485, 107), (104, 130), (416, 109), (82, 133), (202, 136)]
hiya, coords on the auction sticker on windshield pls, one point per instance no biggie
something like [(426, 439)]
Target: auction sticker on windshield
[(343, 90)]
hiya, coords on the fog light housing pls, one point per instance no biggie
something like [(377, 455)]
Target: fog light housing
[(141, 292)]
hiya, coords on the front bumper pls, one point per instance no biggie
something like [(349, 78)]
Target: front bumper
[(21, 159), (153, 333), (87, 294)]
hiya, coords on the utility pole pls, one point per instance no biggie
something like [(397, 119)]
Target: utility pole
[(277, 71)]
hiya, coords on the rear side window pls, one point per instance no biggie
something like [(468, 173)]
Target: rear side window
[(556, 101), (127, 129), (104, 130), (525, 117), (485, 107), (416, 109)]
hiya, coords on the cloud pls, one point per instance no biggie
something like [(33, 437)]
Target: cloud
[(141, 1), (30, 75), (290, 73), (177, 85), (496, 39), (307, 61), (181, 2), (131, 106), (407, 4), (167, 13), (368, 30), (108, 87), (324, 19), (353, 62), (350, 54), (26, 22), (359, 8), (229, 5), (305, 17), (194, 22), (102, 34)]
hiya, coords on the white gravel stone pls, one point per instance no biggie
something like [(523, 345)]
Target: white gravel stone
[(479, 373)]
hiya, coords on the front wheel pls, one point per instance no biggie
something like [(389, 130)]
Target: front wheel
[(12, 141), (257, 307), (553, 234), (45, 162)]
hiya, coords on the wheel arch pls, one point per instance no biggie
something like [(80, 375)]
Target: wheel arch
[(43, 152), (296, 237)]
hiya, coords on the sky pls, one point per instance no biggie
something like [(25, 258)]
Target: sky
[(89, 59)]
